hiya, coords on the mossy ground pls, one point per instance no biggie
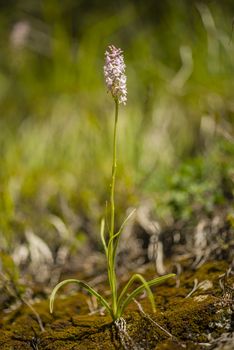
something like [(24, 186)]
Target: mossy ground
[(191, 321)]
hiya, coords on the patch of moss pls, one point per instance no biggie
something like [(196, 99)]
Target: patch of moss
[(170, 344), (189, 320)]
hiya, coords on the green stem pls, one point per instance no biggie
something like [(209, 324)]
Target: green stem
[(111, 252), (114, 165)]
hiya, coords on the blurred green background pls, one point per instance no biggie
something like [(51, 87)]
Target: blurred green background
[(175, 142)]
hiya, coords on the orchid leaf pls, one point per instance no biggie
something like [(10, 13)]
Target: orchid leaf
[(83, 285)]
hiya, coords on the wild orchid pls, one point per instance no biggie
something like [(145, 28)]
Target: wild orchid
[(115, 77)]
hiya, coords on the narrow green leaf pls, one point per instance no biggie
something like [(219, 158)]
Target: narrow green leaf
[(102, 232), (85, 286), (145, 285), (120, 230), (137, 291), (127, 219)]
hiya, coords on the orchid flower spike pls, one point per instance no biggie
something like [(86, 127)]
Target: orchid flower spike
[(114, 72)]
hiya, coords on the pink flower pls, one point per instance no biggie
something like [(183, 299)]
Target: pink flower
[(114, 72)]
